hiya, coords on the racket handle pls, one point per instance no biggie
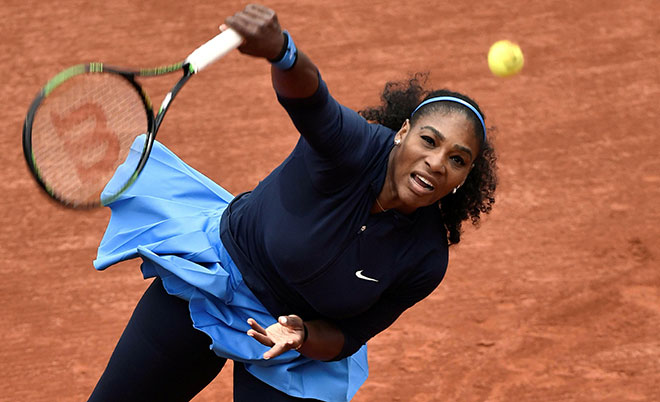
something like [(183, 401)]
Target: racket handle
[(214, 49)]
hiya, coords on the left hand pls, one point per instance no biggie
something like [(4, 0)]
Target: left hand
[(286, 334)]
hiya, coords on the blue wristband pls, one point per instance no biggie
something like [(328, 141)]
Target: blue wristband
[(288, 60)]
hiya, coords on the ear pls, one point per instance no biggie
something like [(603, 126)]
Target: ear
[(403, 131), (466, 176)]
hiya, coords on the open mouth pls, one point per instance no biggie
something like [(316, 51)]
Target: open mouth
[(422, 182)]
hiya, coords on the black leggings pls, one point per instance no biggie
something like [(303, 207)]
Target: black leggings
[(161, 357)]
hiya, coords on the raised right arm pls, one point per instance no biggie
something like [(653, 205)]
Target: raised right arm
[(263, 37)]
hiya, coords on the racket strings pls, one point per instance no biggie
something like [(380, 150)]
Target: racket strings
[(83, 131)]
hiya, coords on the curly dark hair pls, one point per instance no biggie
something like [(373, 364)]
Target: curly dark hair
[(477, 194)]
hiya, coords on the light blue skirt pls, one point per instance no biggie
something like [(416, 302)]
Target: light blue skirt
[(170, 218)]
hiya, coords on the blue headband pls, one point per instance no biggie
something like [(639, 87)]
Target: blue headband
[(457, 100)]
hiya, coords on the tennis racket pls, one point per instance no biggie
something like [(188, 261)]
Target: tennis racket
[(80, 127)]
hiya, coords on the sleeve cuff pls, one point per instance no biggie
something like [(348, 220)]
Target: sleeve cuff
[(320, 96), (351, 345)]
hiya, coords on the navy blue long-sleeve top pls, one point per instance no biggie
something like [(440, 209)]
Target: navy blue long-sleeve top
[(305, 240)]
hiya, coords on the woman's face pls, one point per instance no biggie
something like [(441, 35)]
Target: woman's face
[(433, 158)]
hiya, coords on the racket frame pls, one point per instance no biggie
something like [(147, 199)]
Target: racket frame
[(153, 121), (200, 58)]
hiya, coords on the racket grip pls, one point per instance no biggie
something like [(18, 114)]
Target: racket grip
[(214, 49)]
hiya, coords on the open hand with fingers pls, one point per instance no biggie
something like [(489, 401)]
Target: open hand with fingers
[(286, 334)]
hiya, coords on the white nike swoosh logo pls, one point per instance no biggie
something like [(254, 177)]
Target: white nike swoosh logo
[(366, 278)]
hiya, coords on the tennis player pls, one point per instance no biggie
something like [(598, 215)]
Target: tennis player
[(291, 279)]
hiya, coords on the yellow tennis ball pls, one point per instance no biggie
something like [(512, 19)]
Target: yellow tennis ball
[(505, 58)]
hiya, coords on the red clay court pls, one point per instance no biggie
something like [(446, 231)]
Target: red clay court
[(555, 298)]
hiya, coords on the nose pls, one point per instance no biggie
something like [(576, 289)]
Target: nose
[(437, 163)]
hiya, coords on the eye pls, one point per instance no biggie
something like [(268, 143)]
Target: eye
[(458, 160), (428, 140)]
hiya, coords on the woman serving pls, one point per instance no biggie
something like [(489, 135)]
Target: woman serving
[(291, 279)]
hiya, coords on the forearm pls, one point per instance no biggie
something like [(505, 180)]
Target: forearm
[(324, 340), (263, 37), (301, 81)]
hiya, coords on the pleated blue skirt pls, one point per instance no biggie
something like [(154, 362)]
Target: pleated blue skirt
[(170, 218)]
